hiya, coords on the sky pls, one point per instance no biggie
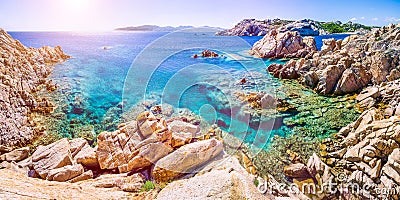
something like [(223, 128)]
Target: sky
[(103, 15)]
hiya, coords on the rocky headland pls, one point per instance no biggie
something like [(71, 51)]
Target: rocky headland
[(347, 66), (305, 27), (23, 72)]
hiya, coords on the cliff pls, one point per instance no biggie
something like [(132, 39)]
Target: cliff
[(22, 70)]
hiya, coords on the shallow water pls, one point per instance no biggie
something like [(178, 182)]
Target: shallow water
[(109, 73)]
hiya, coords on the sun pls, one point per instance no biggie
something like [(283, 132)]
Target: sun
[(76, 4)]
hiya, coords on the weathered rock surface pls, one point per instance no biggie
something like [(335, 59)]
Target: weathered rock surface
[(185, 159), (135, 145), (51, 157), (225, 180), (22, 70), (15, 155), (282, 44), (349, 65), (15, 185), (65, 173)]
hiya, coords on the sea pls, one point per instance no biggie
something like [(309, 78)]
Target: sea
[(120, 69)]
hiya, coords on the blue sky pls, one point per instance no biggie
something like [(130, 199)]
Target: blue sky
[(91, 15)]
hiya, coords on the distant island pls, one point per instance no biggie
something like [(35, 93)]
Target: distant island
[(306, 27), (155, 28)]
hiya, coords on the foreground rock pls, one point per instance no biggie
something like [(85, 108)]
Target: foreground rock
[(22, 70), (15, 185), (225, 179), (283, 44), (347, 66), (186, 159), (50, 157)]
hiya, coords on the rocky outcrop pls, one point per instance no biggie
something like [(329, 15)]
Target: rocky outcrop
[(347, 66), (22, 70), (365, 152), (252, 27), (125, 159), (209, 54), (283, 44)]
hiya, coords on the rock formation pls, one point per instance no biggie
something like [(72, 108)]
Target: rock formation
[(22, 70), (147, 148), (306, 27), (347, 66), (252, 27), (283, 44)]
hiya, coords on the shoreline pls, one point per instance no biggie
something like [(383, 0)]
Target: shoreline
[(377, 122)]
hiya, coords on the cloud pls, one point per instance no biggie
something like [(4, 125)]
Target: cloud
[(375, 19), (392, 19), (362, 17), (353, 19)]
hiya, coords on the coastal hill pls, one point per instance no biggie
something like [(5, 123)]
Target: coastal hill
[(306, 27)]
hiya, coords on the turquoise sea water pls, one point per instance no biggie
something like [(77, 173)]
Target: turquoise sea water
[(113, 71)]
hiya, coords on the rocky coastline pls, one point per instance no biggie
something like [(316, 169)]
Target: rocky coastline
[(305, 27), (151, 156), (23, 72)]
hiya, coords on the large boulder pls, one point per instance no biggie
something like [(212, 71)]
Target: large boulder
[(147, 155), (185, 159), (352, 80), (136, 145), (282, 44), (52, 156), (65, 173), (223, 179), (87, 156), (115, 148)]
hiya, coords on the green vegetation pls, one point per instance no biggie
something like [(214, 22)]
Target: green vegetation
[(256, 182), (336, 27), (147, 186)]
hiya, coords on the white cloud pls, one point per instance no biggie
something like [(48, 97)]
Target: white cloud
[(353, 19), (362, 17), (392, 19), (375, 19)]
